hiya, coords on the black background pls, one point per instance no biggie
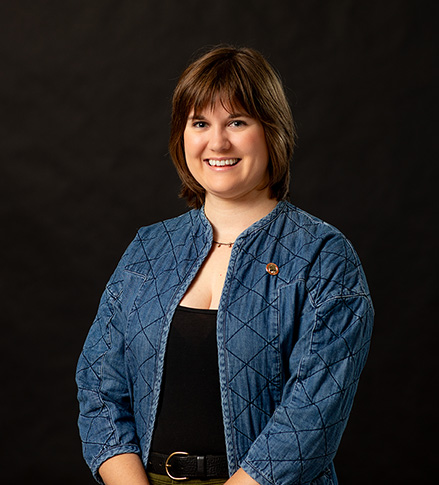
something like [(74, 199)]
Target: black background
[(85, 91)]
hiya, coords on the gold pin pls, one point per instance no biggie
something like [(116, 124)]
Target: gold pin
[(272, 269)]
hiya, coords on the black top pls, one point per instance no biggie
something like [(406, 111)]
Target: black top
[(189, 416)]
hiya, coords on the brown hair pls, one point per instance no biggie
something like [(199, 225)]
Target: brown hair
[(239, 77)]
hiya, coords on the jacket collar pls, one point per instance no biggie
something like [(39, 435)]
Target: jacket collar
[(206, 228)]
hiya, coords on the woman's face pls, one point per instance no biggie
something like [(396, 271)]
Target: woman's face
[(227, 154)]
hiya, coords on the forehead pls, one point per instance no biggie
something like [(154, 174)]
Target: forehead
[(231, 106)]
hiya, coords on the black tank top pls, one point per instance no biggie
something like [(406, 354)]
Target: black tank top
[(189, 416)]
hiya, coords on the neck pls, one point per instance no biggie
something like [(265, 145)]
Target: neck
[(230, 218)]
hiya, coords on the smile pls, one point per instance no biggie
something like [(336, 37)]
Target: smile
[(222, 163)]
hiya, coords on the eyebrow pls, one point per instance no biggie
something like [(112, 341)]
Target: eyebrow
[(230, 117)]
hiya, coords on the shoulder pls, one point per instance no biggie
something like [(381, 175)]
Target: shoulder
[(168, 226), (308, 224), (307, 235), (164, 232), (333, 266), (161, 238), (155, 242)]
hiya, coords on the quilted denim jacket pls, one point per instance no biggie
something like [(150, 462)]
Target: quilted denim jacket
[(291, 343)]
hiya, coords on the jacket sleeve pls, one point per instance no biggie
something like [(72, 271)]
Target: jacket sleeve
[(106, 423), (301, 438)]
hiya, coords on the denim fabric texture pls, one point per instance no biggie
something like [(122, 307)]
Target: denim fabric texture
[(291, 345)]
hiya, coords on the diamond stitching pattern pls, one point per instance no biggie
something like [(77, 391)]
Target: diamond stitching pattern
[(308, 253)]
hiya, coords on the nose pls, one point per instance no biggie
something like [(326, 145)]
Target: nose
[(219, 140)]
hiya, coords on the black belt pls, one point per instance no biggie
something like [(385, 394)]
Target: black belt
[(181, 466)]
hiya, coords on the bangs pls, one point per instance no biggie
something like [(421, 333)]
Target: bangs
[(227, 101), (224, 83)]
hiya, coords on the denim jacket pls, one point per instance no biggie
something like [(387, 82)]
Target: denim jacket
[(292, 339)]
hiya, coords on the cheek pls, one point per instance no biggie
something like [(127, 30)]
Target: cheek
[(191, 144), (259, 146), (185, 142), (190, 152)]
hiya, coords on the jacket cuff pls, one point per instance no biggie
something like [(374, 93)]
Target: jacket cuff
[(255, 474), (109, 453)]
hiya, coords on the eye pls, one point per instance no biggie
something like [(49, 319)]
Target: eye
[(238, 123), (199, 124)]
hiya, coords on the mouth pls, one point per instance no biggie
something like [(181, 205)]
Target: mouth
[(226, 162)]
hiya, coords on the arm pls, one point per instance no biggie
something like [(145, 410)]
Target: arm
[(126, 469), (241, 478), (301, 438), (106, 422)]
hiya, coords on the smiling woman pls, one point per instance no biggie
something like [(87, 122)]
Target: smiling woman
[(243, 83), (229, 342)]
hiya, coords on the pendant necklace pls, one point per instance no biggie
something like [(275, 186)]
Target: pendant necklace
[(230, 244)]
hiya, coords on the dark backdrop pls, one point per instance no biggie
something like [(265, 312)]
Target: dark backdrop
[(85, 90)]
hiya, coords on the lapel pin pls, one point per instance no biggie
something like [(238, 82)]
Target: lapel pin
[(272, 269)]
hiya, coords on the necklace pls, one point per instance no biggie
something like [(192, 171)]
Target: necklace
[(230, 244)]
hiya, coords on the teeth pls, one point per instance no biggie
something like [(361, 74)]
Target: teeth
[(222, 163)]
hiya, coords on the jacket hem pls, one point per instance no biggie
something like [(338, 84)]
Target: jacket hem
[(255, 474), (109, 453)]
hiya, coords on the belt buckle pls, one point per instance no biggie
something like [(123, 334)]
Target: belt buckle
[(168, 465)]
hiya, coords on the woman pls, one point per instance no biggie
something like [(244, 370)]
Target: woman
[(230, 340)]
